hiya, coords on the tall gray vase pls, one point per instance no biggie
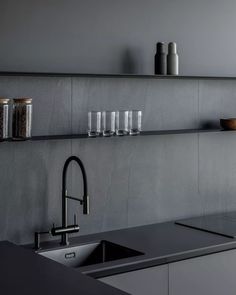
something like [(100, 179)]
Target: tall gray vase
[(172, 60)]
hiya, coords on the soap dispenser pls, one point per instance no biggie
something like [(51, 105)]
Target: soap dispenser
[(160, 59), (172, 60)]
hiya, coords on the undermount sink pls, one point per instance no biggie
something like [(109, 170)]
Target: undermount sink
[(89, 254)]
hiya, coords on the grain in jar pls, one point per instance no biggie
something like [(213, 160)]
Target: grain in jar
[(22, 118)]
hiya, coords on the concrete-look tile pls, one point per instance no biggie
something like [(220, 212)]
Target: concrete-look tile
[(216, 100), (6, 187), (163, 180), (131, 180), (105, 94), (166, 104), (34, 189), (217, 172), (51, 101), (135, 181), (171, 104), (107, 164)]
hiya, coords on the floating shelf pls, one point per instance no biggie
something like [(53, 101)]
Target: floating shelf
[(143, 133), (47, 74)]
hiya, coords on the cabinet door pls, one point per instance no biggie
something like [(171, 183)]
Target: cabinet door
[(151, 281), (206, 275)]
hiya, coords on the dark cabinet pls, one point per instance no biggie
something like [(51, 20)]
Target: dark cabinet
[(206, 275), (151, 281)]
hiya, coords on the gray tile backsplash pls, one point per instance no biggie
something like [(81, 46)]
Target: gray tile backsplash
[(171, 104), (132, 181), (30, 181), (51, 101), (217, 99), (165, 104), (217, 172)]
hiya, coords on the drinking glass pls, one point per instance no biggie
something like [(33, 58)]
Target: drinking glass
[(94, 123), (135, 122), (122, 122), (108, 123)]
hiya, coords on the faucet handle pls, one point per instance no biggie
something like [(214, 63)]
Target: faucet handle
[(75, 219), (86, 205), (37, 240)]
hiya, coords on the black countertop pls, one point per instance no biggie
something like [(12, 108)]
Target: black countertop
[(161, 243), (24, 272)]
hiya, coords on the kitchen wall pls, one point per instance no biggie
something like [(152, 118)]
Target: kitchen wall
[(110, 36), (132, 181)]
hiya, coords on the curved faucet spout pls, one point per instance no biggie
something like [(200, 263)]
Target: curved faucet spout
[(84, 201), (64, 174)]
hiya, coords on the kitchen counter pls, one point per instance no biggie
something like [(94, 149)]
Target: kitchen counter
[(24, 272), (161, 243)]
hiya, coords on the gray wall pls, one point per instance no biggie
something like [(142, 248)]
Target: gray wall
[(132, 181), (110, 36)]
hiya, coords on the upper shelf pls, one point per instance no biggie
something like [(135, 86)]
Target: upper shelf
[(143, 133), (44, 74)]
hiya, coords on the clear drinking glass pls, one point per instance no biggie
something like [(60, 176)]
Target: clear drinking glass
[(94, 123), (135, 122), (108, 123), (122, 122)]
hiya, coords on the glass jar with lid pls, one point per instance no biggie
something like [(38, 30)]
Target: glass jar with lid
[(4, 118), (22, 118)]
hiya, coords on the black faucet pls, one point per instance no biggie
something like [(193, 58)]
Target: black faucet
[(65, 229)]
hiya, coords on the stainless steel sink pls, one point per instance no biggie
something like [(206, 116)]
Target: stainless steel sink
[(88, 254)]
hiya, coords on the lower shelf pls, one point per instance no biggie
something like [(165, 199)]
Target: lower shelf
[(143, 133)]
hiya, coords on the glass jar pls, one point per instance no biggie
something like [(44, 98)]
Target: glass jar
[(22, 118), (4, 118)]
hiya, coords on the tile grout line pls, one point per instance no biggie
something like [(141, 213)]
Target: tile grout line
[(71, 109), (71, 126), (198, 148), (168, 279), (128, 193), (198, 117)]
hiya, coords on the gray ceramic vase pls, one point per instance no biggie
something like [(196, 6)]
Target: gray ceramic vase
[(172, 60)]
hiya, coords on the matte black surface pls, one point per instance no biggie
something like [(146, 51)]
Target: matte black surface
[(161, 243), (223, 224), (89, 254), (25, 273), (106, 251), (143, 133), (84, 201), (85, 75)]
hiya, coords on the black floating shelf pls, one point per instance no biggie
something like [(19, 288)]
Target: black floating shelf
[(143, 133), (134, 76)]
